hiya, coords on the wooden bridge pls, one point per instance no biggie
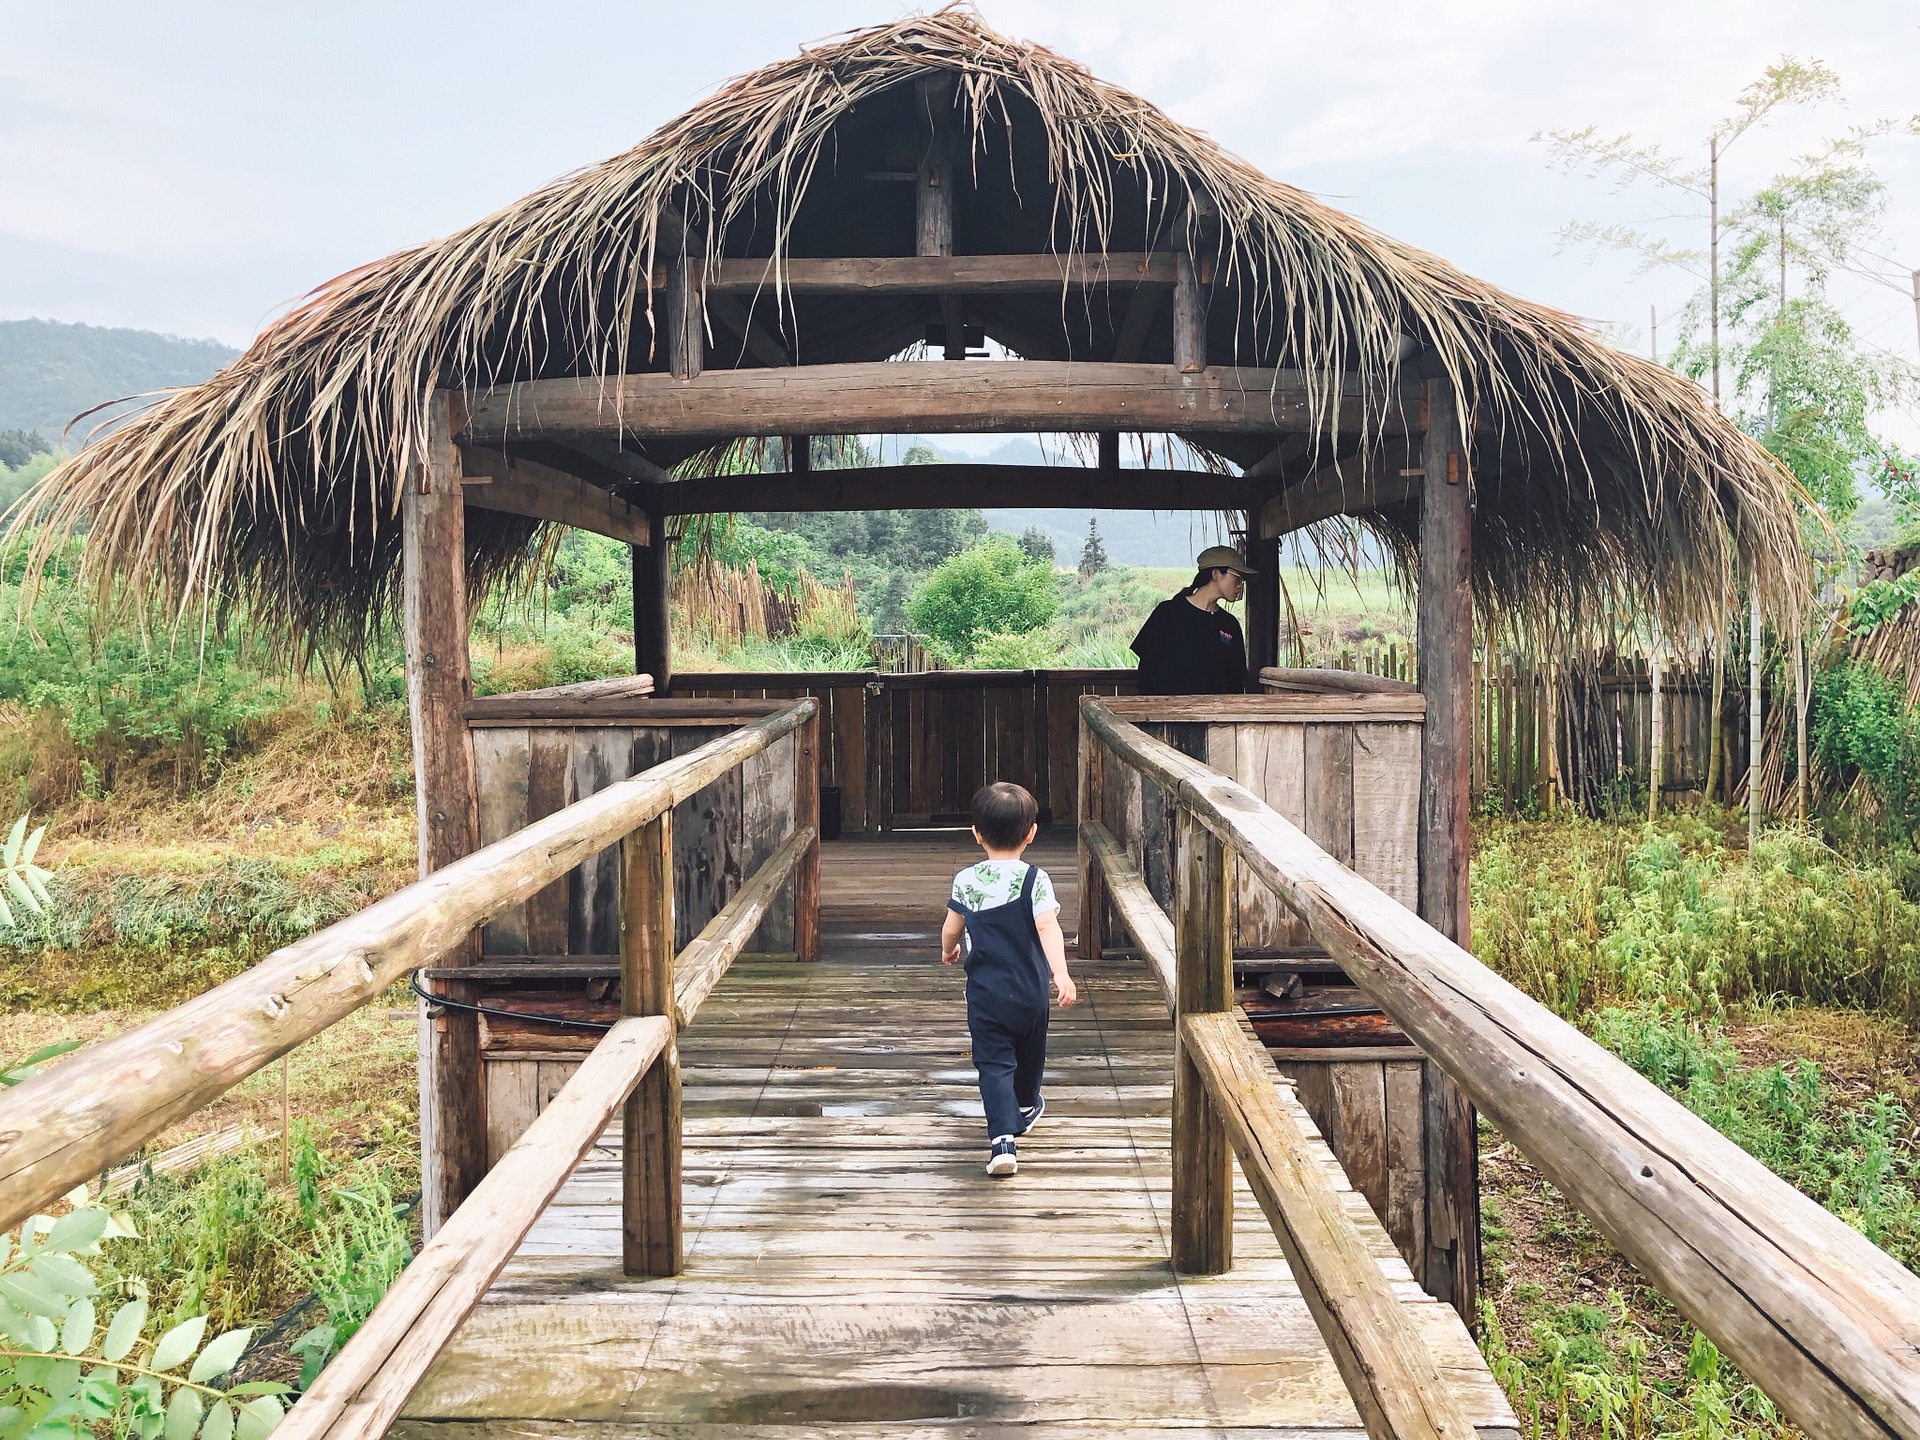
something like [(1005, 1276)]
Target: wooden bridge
[(789, 1231)]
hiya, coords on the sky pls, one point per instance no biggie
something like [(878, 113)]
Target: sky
[(196, 167)]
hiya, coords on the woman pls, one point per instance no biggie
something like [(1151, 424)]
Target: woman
[(1189, 645)]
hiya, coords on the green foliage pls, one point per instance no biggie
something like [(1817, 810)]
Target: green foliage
[(991, 589), (1588, 1367), (357, 1248), (1583, 915), (14, 1071), (1878, 601), (64, 1373), (17, 447), (1032, 650), (1859, 724), (779, 555), (910, 540)]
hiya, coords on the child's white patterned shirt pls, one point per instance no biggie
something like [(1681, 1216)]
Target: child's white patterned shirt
[(996, 882)]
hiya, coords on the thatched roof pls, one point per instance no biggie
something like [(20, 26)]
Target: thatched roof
[(1601, 480)]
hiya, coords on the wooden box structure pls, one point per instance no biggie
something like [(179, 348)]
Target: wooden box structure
[(1340, 756), (556, 958)]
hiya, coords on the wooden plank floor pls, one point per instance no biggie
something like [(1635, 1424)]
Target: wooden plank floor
[(850, 1269)]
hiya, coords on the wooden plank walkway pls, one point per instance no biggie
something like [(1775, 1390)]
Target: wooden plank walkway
[(851, 1270)]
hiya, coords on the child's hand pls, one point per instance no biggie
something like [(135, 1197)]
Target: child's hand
[(948, 957), (1068, 994)]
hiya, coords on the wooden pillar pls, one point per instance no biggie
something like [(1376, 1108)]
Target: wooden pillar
[(652, 633), (650, 1121), (1263, 600), (1109, 451), (686, 315), (1445, 643), (1093, 890), (933, 199), (1189, 315), (806, 811), (1203, 953), (453, 1141)]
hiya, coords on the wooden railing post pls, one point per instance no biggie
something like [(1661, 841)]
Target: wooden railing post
[(1202, 1157), (1093, 895), (806, 815), (650, 1125)]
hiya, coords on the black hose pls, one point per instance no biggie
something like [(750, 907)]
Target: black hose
[(559, 1021)]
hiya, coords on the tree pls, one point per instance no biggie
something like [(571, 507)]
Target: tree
[(1037, 546), (1093, 555), (991, 589)]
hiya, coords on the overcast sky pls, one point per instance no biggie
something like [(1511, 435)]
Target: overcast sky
[(194, 167)]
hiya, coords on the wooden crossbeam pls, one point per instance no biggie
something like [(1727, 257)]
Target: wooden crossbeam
[(935, 487), (934, 274), (887, 396), (1349, 487), (517, 486)]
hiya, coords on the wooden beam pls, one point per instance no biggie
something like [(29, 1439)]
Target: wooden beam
[(363, 1388), (1787, 1289), (1203, 984), (66, 1125), (938, 272), (1389, 1371), (1348, 487), (686, 312), (933, 193), (1444, 661), (526, 487), (935, 487), (650, 1121), (1133, 903), (887, 396), (605, 460), (453, 1154)]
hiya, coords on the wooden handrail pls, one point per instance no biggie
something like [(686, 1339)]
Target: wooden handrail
[(361, 1391), (63, 1127), (699, 967), (1396, 1386), (1389, 1371), (1827, 1322)]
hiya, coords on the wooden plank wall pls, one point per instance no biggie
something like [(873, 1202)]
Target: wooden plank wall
[(908, 750)]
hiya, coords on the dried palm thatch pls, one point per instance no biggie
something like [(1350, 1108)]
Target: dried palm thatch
[(1603, 483)]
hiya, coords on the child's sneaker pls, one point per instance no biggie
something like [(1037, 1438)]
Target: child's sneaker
[(1002, 1161), (1030, 1114)]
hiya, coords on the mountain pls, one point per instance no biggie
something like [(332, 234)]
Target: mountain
[(1131, 537), (50, 371)]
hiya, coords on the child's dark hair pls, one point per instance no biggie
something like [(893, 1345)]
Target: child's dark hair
[(1003, 812)]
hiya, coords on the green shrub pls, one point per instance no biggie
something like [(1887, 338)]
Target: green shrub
[(1034, 650), (1860, 724), (990, 589), (1584, 914), (63, 1373)]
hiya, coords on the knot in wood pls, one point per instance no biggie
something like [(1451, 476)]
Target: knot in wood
[(274, 1006)]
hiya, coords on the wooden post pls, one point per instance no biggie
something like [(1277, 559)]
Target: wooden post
[(1263, 604), (453, 1141), (1202, 1152), (652, 632), (1093, 890), (650, 1121), (933, 199), (1445, 641), (1756, 739), (1109, 451), (686, 313), (1656, 758), (1189, 316), (806, 812)]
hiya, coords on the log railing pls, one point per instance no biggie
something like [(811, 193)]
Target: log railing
[(63, 1127), (1826, 1322)]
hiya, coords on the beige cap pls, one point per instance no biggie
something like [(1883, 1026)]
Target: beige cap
[(1223, 557)]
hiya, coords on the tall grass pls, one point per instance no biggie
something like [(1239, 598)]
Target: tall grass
[(1584, 915)]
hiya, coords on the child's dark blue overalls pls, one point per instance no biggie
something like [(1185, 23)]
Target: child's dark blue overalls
[(1007, 1000)]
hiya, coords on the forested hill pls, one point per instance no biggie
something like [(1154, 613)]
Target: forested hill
[(50, 372)]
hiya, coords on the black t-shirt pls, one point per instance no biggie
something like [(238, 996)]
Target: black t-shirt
[(1185, 650)]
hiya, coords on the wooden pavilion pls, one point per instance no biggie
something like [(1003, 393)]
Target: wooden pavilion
[(921, 227)]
